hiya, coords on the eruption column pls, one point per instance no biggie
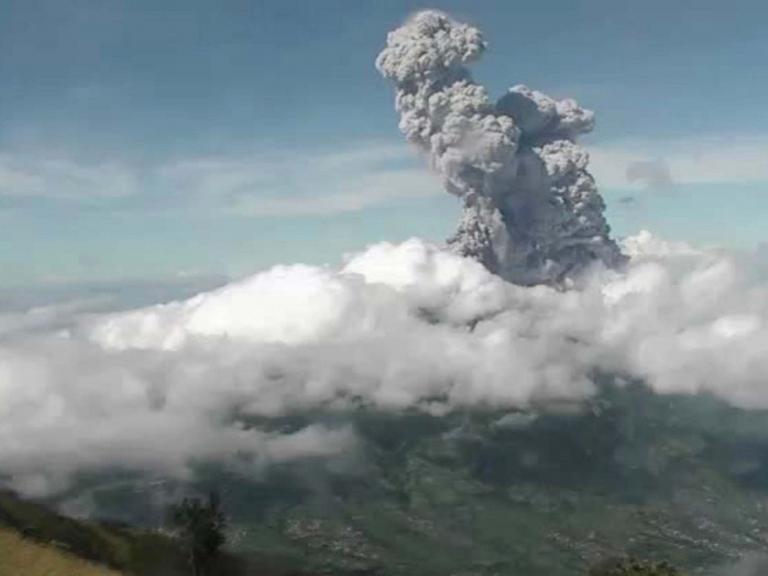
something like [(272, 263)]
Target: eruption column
[(532, 212)]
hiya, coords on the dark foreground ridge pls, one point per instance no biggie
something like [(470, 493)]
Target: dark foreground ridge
[(44, 542)]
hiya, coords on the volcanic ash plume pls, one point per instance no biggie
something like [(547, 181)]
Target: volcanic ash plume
[(532, 212)]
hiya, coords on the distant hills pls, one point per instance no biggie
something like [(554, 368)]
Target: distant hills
[(549, 491)]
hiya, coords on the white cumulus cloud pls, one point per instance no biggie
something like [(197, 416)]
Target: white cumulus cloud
[(398, 326)]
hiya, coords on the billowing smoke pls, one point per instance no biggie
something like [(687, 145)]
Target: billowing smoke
[(532, 212)]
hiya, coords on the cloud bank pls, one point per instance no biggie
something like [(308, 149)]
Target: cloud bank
[(398, 326)]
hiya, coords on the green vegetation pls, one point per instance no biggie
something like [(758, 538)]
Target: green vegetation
[(632, 567), (68, 547), (483, 493), (24, 556), (21, 556), (118, 547), (631, 474), (200, 527)]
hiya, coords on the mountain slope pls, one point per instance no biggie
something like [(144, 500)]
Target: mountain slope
[(66, 543), (47, 543), (549, 491), (21, 556)]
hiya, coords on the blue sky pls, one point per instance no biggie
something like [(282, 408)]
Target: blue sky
[(143, 139)]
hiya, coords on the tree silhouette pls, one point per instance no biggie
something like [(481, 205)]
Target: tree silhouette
[(200, 525)]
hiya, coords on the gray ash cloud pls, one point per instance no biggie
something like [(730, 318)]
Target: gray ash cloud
[(532, 212)]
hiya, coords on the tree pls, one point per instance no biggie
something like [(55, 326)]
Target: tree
[(200, 525)]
